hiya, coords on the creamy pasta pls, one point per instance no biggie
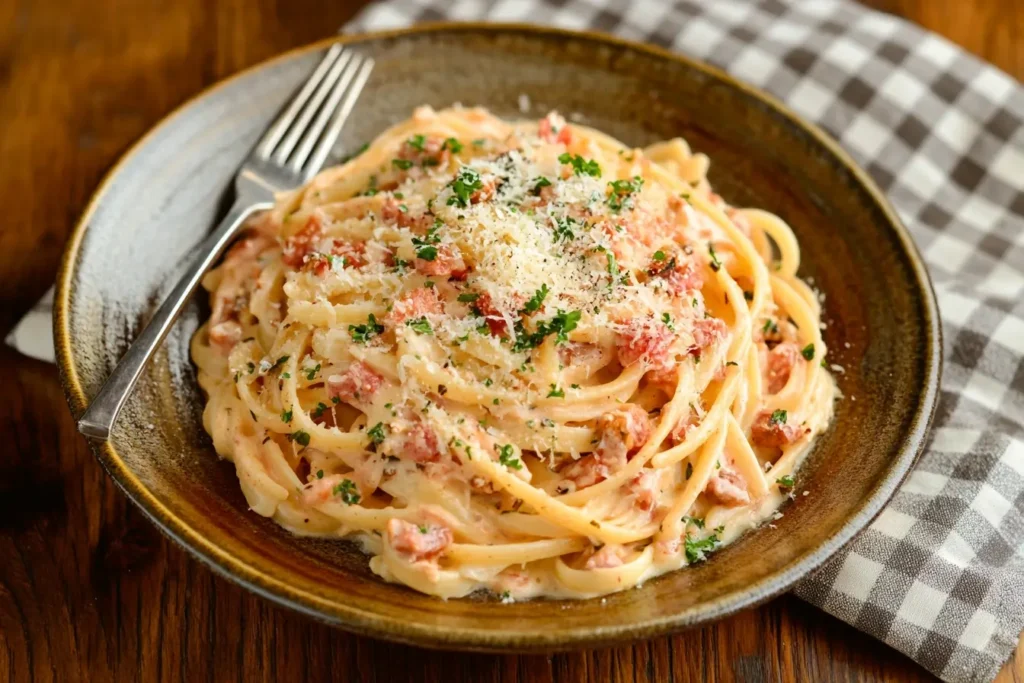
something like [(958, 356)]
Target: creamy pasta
[(518, 357)]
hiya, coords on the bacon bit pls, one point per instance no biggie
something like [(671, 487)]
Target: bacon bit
[(585, 472), (780, 364), (358, 383), (391, 212), (684, 279), (433, 150), (728, 487), (647, 341), (415, 543), (415, 303), (645, 487), (706, 332), (553, 128), (623, 432), (225, 335), (610, 555), (321, 490), (301, 243), (678, 433), (769, 433), (419, 444), (447, 263), (546, 195), (485, 193), (665, 378), (492, 316), (351, 255)]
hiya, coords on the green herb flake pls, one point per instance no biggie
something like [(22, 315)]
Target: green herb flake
[(376, 433), (300, 437), (581, 166), (659, 255), (698, 550), (319, 410), (786, 482), (452, 145), (535, 302), (311, 372), (362, 334), (348, 491), (468, 297), (403, 164), (319, 474), (621, 196), (716, 265), (808, 352), (556, 392), (465, 184), (420, 325), (286, 416), (778, 417), (506, 457)]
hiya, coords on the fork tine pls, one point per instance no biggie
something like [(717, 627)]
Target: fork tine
[(287, 145), (284, 121), (328, 111), (327, 141)]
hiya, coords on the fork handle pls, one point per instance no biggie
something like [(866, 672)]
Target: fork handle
[(98, 419)]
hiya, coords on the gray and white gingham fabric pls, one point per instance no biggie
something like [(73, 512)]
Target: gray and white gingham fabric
[(940, 574)]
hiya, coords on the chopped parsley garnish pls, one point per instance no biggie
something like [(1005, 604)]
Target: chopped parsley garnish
[(715, 263), (453, 145), (778, 417), (697, 551), (479, 142), (319, 474), (539, 183), (280, 361), (507, 458), (420, 325), (749, 296), (348, 492), (621, 196), (613, 267), (556, 392), (468, 297), (488, 382), (659, 255), (319, 410), (400, 265), (535, 302), (581, 166), (311, 372), (403, 164), (417, 142), (251, 366), (376, 433), (286, 375), (465, 184), (362, 334), (560, 325), (786, 482), (563, 228), (300, 437), (770, 326), (667, 319), (696, 521), (808, 352), (425, 248), (286, 416)]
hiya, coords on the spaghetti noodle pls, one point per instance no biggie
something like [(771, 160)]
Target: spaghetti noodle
[(514, 356)]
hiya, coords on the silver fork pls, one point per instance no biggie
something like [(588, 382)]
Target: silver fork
[(292, 150)]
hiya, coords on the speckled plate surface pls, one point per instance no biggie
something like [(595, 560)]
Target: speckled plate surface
[(168, 190)]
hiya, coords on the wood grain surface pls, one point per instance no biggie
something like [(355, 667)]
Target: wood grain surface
[(89, 590)]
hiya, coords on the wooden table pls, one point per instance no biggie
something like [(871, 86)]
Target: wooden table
[(89, 590)]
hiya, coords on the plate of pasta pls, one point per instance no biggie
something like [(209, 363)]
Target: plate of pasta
[(571, 325)]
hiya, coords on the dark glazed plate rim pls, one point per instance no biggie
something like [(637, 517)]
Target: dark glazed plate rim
[(278, 590)]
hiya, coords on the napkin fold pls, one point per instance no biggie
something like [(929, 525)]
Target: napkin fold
[(939, 575)]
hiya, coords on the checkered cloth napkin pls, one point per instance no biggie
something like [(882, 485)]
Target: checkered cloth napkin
[(940, 574)]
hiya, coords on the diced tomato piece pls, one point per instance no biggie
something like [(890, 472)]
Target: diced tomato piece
[(780, 364), (358, 383), (610, 555), (417, 543), (301, 243), (770, 433), (415, 303), (728, 487), (225, 335), (646, 340), (447, 263)]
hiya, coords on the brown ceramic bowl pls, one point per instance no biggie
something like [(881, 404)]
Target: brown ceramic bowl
[(166, 192)]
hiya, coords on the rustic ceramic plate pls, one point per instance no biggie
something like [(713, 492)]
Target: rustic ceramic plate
[(168, 190)]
